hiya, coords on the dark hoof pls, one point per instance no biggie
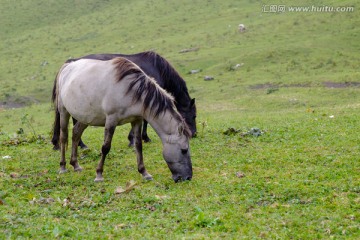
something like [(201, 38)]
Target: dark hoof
[(78, 169), (146, 139), (83, 146), (148, 177), (99, 178), (56, 147)]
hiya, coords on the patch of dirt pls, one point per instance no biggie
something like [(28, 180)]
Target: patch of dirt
[(263, 86), (17, 102), (327, 84), (341, 85), (276, 85), (7, 105)]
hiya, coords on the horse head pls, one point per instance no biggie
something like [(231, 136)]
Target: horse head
[(176, 153)]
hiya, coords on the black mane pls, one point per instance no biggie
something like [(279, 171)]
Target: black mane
[(154, 97), (174, 83)]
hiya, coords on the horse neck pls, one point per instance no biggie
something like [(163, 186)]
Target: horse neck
[(171, 81), (165, 124), (177, 87)]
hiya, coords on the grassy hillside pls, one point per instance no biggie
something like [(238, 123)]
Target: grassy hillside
[(298, 83), (283, 48)]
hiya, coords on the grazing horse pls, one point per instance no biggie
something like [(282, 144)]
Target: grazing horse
[(112, 93), (166, 76)]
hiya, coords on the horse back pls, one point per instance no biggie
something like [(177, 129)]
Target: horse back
[(90, 91)]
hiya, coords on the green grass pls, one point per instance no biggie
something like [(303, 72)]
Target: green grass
[(300, 179)]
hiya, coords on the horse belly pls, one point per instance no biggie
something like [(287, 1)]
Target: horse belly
[(89, 113)]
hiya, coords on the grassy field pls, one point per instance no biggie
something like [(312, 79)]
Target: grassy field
[(298, 83)]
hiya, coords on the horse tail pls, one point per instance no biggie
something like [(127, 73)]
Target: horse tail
[(56, 125)]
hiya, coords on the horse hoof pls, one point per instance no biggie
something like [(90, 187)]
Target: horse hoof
[(99, 179), (78, 169), (84, 147), (148, 178), (61, 171)]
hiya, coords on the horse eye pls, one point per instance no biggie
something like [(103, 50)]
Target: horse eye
[(184, 151)]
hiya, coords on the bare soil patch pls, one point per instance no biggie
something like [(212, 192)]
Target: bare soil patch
[(341, 85), (277, 85), (17, 102), (327, 84)]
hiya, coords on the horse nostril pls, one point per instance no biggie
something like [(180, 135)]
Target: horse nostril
[(177, 179), (181, 179)]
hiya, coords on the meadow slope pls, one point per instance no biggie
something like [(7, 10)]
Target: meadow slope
[(298, 83)]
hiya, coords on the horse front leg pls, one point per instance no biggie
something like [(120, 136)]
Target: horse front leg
[(144, 135), (136, 127), (109, 133), (64, 123), (76, 136)]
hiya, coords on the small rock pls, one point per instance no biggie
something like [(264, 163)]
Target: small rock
[(208, 78), (194, 71), (256, 132), (240, 174), (14, 175), (46, 200), (237, 66), (241, 27), (231, 131)]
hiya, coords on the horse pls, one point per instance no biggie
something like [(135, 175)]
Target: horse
[(112, 93), (166, 76)]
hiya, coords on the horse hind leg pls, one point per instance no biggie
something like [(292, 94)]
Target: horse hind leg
[(76, 137), (56, 131), (109, 132), (81, 144), (64, 123), (136, 127)]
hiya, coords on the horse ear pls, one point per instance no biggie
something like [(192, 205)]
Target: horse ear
[(192, 102)]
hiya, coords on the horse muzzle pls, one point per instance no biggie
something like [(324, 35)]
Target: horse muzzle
[(181, 178)]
